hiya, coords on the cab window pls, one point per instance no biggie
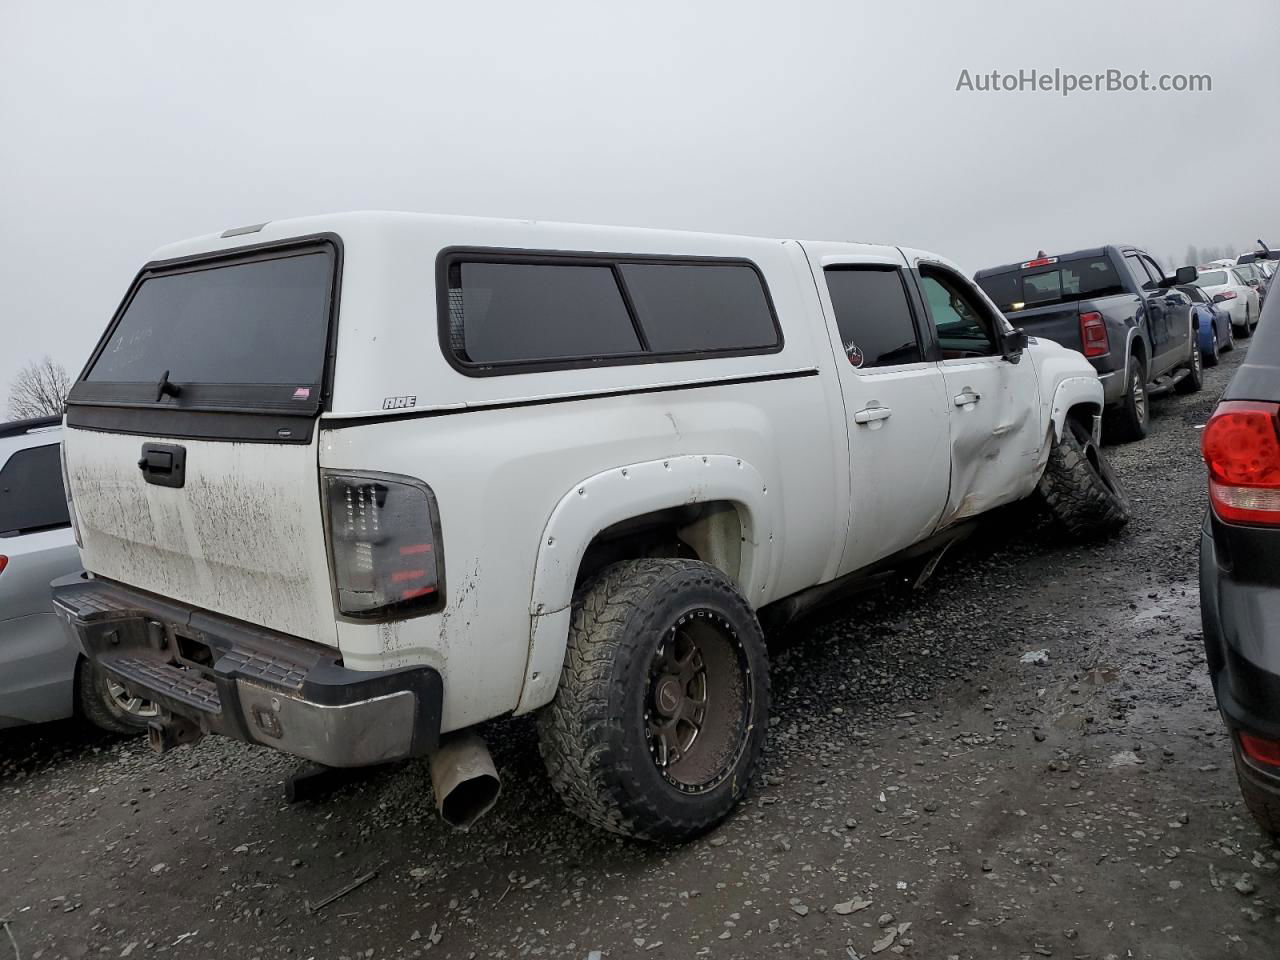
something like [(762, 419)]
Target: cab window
[(873, 315), (964, 327)]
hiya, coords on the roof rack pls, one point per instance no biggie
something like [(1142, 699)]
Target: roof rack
[(17, 428)]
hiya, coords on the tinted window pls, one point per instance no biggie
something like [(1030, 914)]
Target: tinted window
[(873, 316), (1064, 282), (31, 494), (964, 329), (1211, 278), (263, 322), (527, 311), (1139, 271), (698, 306)]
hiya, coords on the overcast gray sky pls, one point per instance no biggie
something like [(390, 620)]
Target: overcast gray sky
[(124, 126)]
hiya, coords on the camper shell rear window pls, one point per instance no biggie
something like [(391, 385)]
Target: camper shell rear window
[(526, 311), (245, 332)]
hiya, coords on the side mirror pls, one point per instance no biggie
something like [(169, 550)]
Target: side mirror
[(1012, 344), (1185, 275)]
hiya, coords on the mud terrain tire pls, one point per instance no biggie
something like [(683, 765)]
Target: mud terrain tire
[(628, 655), (1080, 489)]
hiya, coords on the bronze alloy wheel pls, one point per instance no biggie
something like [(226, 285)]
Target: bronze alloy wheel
[(698, 702)]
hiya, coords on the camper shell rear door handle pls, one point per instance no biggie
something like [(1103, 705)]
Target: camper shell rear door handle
[(164, 464)]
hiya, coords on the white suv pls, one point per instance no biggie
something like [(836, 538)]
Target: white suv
[(350, 485)]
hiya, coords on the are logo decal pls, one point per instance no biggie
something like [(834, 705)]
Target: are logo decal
[(399, 403), (854, 353)]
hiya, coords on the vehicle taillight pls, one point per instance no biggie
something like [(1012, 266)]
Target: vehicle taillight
[(1263, 751), (1093, 334), (385, 545), (4, 562), (1241, 447), (1224, 295), (66, 489)]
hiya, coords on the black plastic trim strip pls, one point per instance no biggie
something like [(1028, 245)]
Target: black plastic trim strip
[(451, 255), (341, 423), (192, 424)]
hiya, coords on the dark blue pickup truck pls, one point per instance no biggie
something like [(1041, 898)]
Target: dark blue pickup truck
[(1116, 306)]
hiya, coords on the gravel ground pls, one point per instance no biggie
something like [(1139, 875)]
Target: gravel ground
[(1021, 759)]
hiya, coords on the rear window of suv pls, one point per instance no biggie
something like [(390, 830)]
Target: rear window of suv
[(31, 493), (514, 314), (1065, 281)]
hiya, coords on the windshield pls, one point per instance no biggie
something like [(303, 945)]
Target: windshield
[(1063, 282), (257, 322)]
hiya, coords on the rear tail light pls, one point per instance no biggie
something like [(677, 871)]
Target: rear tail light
[(1260, 750), (1093, 334), (4, 562), (66, 489), (1241, 447), (1224, 295), (384, 541)]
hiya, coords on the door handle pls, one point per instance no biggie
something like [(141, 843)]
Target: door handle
[(967, 398), (871, 414), (164, 464)]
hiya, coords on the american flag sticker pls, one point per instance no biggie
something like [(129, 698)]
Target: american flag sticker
[(302, 393)]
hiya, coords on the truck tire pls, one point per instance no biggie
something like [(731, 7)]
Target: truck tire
[(663, 704), (1080, 489), (1265, 807), (1129, 420), (105, 704), (1194, 379)]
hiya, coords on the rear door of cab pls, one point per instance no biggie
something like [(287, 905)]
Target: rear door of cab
[(191, 435)]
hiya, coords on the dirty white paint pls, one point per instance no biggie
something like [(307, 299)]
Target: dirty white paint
[(243, 536)]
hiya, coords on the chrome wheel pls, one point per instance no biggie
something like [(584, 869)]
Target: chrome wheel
[(1139, 394), (133, 706), (697, 702)]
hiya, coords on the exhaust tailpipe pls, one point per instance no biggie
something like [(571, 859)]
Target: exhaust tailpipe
[(464, 779)]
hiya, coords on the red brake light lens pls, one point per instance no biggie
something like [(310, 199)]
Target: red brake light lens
[(4, 562), (1259, 750), (1224, 295), (1093, 335), (1241, 447), (384, 545)]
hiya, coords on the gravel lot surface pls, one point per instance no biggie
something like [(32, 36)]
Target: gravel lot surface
[(1021, 759)]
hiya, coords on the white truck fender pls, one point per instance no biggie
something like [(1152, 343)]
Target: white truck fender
[(1071, 392), (619, 494)]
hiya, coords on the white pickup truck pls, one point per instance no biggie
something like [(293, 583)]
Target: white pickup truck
[(347, 486)]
